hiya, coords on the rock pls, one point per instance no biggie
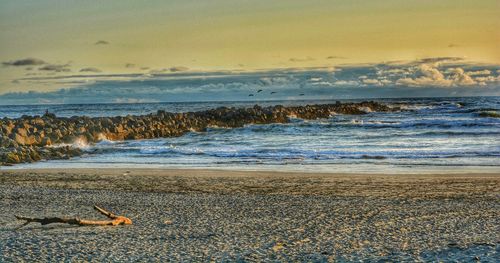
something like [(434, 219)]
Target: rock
[(35, 156), (46, 142), (22, 132), (19, 138), (17, 134), (12, 158)]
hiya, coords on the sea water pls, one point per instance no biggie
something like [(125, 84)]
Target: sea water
[(429, 135)]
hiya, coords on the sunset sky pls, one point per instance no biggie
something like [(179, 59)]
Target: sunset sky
[(45, 40)]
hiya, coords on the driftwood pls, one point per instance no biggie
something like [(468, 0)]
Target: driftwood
[(114, 220)]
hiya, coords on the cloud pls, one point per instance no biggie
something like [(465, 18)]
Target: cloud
[(301, 59), (408, 79), (90, 69), (479, 72), (375, 82), (439, 59), (484, 80), (101, 42), (385, 82), (431, 72), (335, 57), (432, 76), (178, 69), (25, 62), (55, 68), (392, 71), (346, 83), (460, 78)]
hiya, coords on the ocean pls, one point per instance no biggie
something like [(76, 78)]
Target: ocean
[(430, 135)]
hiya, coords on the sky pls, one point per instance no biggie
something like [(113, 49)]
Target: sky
[(54, 51)]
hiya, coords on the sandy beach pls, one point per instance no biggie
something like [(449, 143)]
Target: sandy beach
[(249, 131), (203, 215)]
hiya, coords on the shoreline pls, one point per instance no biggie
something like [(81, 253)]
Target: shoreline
[(431, 170), (255, 182), (206, 170)]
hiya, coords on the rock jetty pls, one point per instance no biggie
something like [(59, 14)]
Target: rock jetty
[(34, 138)]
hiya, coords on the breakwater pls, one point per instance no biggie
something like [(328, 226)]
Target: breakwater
[(34, 138)]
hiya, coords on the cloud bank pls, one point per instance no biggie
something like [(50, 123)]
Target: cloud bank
[(428, 77), (56, 68), (24, 62)]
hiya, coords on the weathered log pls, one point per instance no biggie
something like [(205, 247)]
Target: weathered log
[(114, 220)]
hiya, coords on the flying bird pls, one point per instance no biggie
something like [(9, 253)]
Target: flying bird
[(272, 92), (301, 94), (259, 91), (250, 95)]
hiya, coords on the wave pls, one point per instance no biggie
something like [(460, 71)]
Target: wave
[(245, 152), (424, 133), (421, 123), (326, 125)]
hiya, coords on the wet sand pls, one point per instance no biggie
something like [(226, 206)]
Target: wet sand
[(202, 215)]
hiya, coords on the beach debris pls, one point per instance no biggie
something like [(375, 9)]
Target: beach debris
[(114, 220)]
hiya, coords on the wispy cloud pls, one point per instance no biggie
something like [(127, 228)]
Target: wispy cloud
[(56, 68), (178, 69), (335, 57), (437, 60), (24, 62), (90, 69), (101, 42), (301, 59), (166, 70)]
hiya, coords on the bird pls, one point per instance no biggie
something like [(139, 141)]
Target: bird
[(272, 92), (301, 94), (250, 95), (259, 91)]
